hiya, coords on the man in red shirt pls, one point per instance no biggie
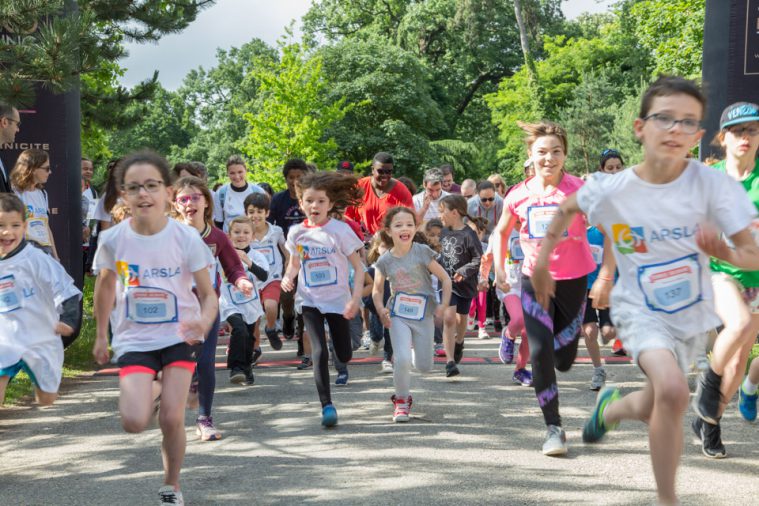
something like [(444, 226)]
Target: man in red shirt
[(381, 193)]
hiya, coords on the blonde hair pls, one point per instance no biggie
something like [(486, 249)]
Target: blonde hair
[(22, 175)]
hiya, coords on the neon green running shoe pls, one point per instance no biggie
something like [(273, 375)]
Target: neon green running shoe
[(596, 427)]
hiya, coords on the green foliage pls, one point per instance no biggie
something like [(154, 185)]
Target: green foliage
[(291, 116)]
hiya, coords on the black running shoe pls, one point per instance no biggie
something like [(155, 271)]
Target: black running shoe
[(256, 355), (710, 436), (250, 378), (237, 376), (707, 398), (458, 352), (305, 363), (451, 370), (288, 328), (274, 340), (497, 326)]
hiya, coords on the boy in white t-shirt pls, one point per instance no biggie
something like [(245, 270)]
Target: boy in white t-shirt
[(38, 304), (658, 218)]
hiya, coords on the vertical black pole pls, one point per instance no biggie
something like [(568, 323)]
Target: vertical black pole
[(715, 69)]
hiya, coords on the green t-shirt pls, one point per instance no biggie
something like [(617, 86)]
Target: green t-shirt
[(746, 278)]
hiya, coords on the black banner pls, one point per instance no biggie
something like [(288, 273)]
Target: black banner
[(731, 60)]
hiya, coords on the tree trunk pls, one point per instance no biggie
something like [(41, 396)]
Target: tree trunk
[(532, 71)]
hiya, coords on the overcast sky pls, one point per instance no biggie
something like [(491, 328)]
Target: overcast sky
[(231, 23)]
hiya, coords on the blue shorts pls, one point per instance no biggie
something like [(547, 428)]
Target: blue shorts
[(13, 370)]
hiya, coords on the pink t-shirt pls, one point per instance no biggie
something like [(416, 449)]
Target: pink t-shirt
[(534, 210)]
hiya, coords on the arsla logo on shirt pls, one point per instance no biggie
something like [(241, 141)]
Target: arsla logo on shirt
[(129, 274), (629, 239)]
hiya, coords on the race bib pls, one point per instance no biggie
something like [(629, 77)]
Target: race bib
[(237, 297), (671, 286), (36, 230), (538, 219), (319, 272), (268, 252), (408, 306), (148, 305), (10, 295), (598, 254), (91, 206), (515, 249)]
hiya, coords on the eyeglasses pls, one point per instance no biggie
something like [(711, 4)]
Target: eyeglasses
[(667, 122), (487, 199), (610, 152), (151, 186), (740, 132), (46, 168), (16, 121), (384, 172), (186, 199)]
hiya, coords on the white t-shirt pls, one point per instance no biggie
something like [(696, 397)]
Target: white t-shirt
[(36, 205), (269, 248), (32, 287), (232, 207), (653, 228), (433, 211), (232, 301), (154, 287), (324, 273)]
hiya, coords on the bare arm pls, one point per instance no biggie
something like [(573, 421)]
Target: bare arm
[(500, 238), (601, 288), (291, 272), (104, 298), (744, 256), (353, 306), (378, 295), (194, 331)]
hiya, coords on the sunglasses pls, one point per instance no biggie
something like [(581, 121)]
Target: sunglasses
[(186, 199), (487, 199), (384, 172)]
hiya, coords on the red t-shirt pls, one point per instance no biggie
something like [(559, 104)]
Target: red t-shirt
[(371, 212)]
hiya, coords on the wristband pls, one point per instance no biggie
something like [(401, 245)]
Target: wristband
[(604, 279)]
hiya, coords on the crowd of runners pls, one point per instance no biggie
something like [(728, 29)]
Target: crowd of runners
[(659, 259)]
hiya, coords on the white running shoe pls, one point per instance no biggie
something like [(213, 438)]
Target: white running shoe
[(169, 496), (483, 334), (598, 380), (387, 367), (488, 321), (556, 442)]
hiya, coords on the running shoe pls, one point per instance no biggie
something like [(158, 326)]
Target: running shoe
[(497, 325), (342, 378), (451, 369), (596, 426), (555, 443), (747, 404), (250, 378), (402, 408), (300, 348), (617, 348), (598, 380), (274, 341), (237, 376), (169, 496), (329, 415), (305, 363), (288, 328), (386, 367), (374, 346), (483, 334), (458, 352), (707, 398), (488, 321), (506, 350), (256, 355), (205, 429), (439, 350), (366, 340), (522, 377), (710, 436)]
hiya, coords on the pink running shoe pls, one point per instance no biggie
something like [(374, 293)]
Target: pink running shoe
[(402, 408)]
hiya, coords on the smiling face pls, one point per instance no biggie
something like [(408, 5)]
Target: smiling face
[(87, 170), (316, 205), (241, 235), (12, 229), (548, 156), (742, 140), (402, 228), (447, 182), (236, 173), (257, 216), (145, 205), (190, 203), (382, 173), (674, 144)]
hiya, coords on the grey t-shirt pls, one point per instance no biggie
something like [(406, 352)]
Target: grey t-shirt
[(409, 274)]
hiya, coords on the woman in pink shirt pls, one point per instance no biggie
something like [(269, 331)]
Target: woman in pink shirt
[(553, 333)]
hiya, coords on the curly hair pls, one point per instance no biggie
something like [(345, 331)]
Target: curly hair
[(22, 175), (341, 189)]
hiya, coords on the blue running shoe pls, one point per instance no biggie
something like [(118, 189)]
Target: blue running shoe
[(342, 378), (596, 427), (522, 377), (747, 404), (506, 350), (329, 415)]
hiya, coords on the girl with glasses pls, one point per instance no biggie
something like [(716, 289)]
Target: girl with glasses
[(28, 179)]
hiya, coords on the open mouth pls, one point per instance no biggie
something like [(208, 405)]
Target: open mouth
[(405, 237), (7, 243)]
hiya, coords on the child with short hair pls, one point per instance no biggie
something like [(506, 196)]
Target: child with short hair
[(38, 304)]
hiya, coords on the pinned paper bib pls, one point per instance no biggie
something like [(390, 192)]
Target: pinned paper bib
[(672, 286), (598, 253), (148, 305), (36, 230), (10, 294), (319, 272), (515, 249), (409, 306), (237, 297), (539, 218), (266, 251)]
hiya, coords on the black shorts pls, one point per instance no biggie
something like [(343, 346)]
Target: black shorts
[(462, 304), (178, 355), (602, 317)]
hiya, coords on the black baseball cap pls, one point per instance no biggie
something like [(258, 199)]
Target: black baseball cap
[(345, 165), (737, 113)]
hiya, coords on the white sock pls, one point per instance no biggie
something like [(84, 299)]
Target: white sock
[(748, 387)]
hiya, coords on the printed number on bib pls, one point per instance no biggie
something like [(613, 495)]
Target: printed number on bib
[(148, 305), (408, 306), (268, 252), (538, 219), (598, 253), (672, 286), (36, 230), (10, 295), (319, 272), (237, 297), (515, 249)]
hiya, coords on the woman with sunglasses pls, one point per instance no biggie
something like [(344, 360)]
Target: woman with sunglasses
[(28, 179), (736, 293)]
